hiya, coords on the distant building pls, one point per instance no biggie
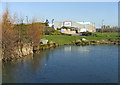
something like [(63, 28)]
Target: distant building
[(75, 26), (106, 27)]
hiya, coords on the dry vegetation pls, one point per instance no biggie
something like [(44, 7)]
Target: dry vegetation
[(35, 31), (14, 35), (8, 33)]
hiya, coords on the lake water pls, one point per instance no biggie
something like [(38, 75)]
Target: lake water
[(66, 64)]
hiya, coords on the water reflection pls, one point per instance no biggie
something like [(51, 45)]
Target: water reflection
[(77, 48), (65, 64), (68, 48), (29, 63)]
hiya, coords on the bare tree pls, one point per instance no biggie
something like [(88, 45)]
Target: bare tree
[(8, 32), (35, 31)]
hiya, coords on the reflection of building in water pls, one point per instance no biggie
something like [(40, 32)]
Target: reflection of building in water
[(77, 48), (84, 49), (68, 48), (81, 48)]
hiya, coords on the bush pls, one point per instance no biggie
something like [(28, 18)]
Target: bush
[(95, 35), (52, 32), (58, 28), (89, 33), (46, 32), (55, 32)]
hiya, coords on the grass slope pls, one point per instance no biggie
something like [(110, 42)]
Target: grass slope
[(64, 39)]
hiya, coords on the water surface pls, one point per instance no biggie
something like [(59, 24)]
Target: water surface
[(66, 64)]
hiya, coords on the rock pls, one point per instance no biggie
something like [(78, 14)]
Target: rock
[(102, 41), (36, 47), (83, 39), (93, 41), (112, 40), (17, 52), (12, 56), (43, 41), (98, 41), (51, 42), (27, 49), (78, 40)]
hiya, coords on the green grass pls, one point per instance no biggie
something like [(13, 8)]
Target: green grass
[(105, 34), (61, 39), (64, 39)]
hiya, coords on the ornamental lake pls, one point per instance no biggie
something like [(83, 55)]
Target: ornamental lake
[(65, 64)]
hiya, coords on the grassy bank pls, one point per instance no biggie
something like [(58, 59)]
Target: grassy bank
[(64, 39)]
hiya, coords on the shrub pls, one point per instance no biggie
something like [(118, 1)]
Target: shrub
[(58, 28), (89, 33), (46, 32), (35, 31), (95, 35), (55, 33)]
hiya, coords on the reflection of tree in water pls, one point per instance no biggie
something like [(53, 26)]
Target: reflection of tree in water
[(36, 62), (8, 72), (12, 71), (28, 66), (47, 52)]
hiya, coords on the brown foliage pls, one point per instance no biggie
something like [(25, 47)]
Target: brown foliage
[(8, 32), (14, 35), (35, 31)]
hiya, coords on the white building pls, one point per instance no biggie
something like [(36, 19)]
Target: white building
[(80, 26)]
